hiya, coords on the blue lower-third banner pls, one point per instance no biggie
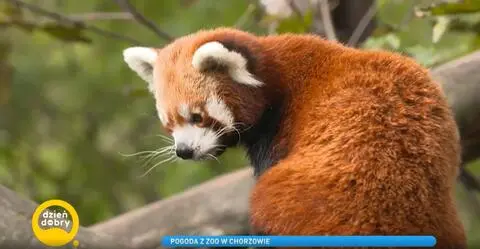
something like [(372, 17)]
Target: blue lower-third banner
[(298, 241)]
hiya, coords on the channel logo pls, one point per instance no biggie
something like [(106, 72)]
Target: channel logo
[(55, 223)]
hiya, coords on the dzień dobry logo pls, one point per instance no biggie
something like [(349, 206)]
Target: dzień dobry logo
[(55, 223)]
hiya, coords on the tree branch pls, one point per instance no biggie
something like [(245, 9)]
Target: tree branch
[(16, 228), (245, 16), (347, 16), (295, 9), (216, 207), (362, 25), (460, 80), (69, 21), (127, 6), (327, 20), (471, 185), (96, 16)]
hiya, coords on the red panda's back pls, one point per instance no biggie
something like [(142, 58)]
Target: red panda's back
[(375, 150)]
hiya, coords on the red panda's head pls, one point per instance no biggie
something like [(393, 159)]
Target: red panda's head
[(206, 87)]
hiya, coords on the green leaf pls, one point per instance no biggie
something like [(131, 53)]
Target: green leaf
[(389, 42), (66, 33), (296, 24), (465, 7), (440, 27), (290, 25), (393, 41)]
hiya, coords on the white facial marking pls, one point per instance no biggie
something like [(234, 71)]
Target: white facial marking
[(196, 110), (218, 110), (141, 60), (235, 62), (201, 140), (183, 110), (158, 92), (162, 115)]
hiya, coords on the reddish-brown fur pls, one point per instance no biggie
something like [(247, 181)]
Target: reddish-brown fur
[(368, 143)]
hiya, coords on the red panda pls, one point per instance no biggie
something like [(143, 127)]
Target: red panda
[(343, 141)]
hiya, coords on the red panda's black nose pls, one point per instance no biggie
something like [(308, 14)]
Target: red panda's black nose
[(183, 151)]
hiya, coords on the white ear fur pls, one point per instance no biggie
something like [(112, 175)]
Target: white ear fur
[(141, 60), (235, 62)]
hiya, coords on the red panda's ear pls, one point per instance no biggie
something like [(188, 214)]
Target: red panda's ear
[(214, 54), (141, 60)]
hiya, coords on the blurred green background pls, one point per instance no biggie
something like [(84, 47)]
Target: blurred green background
[(72, 113)]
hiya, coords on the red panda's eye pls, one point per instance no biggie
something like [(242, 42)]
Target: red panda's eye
[(196, 118)]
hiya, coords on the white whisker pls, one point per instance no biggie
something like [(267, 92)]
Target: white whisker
[(214, 157), (164, 151), (165, 138), (173, 157), (139, 153)]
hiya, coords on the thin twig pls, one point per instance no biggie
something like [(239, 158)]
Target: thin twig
[(127, 6), (294, 7), (327, 20), (50, 14), (408, 16), (362, 25), (96, 16), (77, 18), (245, 16), (66, 20)]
